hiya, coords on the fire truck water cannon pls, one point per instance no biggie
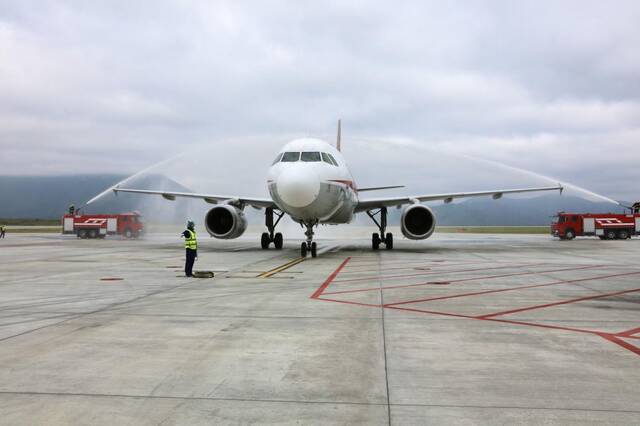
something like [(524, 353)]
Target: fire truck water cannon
[(129, 225), (606, 226)]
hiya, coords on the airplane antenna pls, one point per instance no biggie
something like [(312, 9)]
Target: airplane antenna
[(339, 135)]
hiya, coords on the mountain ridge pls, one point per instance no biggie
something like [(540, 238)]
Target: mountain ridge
[(48, 197)]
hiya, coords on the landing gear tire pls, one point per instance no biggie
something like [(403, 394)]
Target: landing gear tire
[(269, 237), (264, 241), (278, 241), (623, 234), (314, 249), (375, 241), (303, 250), (611, 235), (382, 237), (388, 241)]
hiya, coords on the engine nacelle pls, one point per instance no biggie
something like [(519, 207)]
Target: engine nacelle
[(225, 222), (417, 222)]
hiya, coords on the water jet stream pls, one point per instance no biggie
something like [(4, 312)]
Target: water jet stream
[(106, 191)]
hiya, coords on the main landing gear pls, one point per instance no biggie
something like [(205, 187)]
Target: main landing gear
[(309, 245), (377, 239), (269, 237)]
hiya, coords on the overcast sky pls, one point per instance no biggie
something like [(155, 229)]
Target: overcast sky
[(115, 86)]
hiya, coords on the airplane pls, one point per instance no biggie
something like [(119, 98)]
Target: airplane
[(309, 180)]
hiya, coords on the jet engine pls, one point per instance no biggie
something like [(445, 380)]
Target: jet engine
[(417, 222), (225, 222)]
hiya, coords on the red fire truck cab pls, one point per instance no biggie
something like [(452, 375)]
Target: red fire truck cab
[(128, 225), (606, 226)]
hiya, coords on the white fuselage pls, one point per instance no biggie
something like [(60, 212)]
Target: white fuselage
[(310, 181)]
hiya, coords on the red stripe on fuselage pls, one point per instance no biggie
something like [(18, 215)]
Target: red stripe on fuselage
[(351, 184)]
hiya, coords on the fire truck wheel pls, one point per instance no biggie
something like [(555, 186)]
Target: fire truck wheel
[(128, 233), (93, 233), (611, 234), (623, 234), (82, 233), (570, 234)]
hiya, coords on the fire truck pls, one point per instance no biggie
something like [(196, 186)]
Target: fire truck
[(606, 226), (128, 225)]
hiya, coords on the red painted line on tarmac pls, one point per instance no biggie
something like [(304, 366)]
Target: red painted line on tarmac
[(348, 302), (530, 324), (489, 277), (434, 267), (620, 342), (564, 302), (387, 277), (423, 311), (476, 293), (333, 275), (614, 338), (533, 324), (355, 263), (607, 336), (628, 333), (400, 264)]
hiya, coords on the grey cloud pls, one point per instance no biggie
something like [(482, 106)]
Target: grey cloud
[(116, 86)]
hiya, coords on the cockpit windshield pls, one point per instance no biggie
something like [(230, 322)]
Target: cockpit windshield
[(326, 159), (310, 156), (290, 157)]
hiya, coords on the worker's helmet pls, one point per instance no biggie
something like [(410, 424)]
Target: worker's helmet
[(190, 224)]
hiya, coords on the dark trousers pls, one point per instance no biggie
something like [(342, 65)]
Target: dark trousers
[(188, 264)]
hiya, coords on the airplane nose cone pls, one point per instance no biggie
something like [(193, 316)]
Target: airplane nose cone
[(298, 186)]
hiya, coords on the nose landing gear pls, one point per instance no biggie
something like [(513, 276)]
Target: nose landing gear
[(270, 237), (309, 245), (382, 237)]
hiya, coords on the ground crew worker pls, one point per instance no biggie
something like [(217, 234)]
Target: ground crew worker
[(2, 231), (191, 248)]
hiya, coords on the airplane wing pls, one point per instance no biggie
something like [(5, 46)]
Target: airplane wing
[(379, 188), (375, 203), (209, 198)]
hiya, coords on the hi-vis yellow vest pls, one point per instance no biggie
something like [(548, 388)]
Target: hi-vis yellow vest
[(191, 242)]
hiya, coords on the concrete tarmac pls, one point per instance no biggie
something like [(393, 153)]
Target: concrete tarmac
[(457, 329)]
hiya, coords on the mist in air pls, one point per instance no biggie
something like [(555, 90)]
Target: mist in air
[(237, 167)]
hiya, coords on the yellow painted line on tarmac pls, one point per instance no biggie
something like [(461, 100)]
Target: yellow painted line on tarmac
[(282, 268)]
